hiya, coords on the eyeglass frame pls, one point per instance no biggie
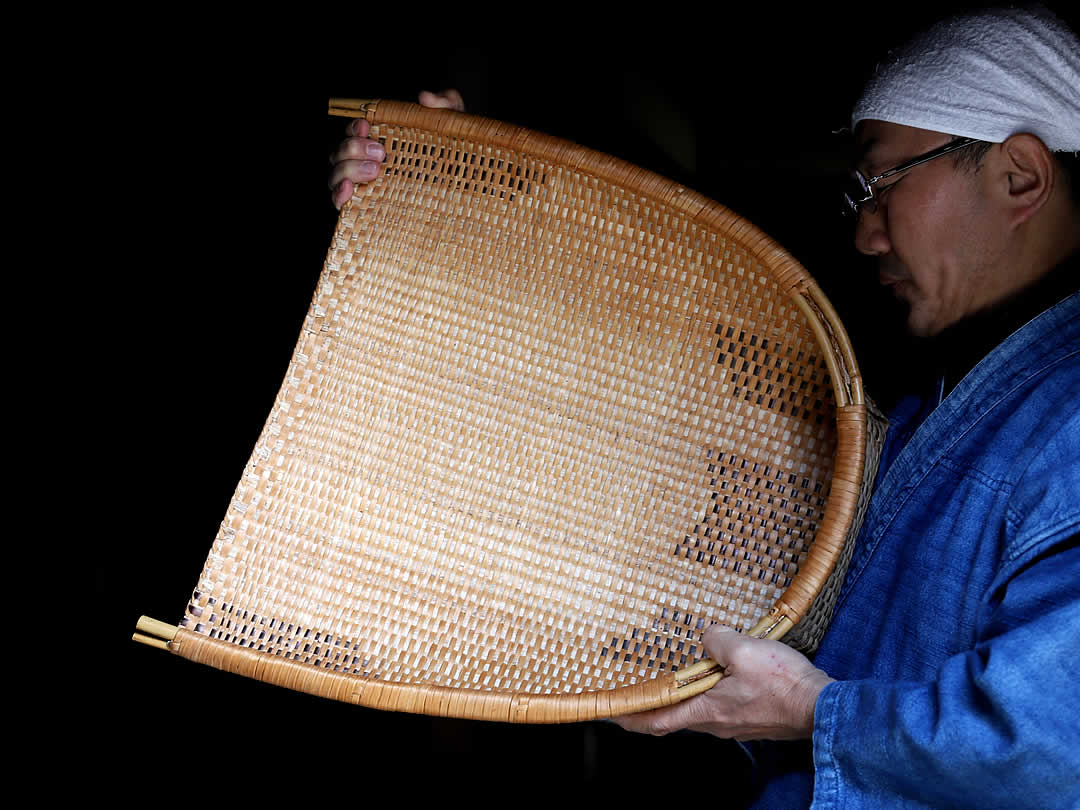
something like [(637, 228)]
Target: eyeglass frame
[(854, 207)]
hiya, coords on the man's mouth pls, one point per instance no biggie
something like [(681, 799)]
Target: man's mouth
[(891, 280)]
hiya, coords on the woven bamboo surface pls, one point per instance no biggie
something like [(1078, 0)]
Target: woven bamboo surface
[(549, 416)]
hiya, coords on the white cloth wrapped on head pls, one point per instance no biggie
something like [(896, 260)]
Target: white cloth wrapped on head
[(987, 75)]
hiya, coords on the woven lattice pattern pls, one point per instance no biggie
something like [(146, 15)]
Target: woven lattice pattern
[(540, 429)]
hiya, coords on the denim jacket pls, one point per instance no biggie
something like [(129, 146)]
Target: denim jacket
[(956, 637)]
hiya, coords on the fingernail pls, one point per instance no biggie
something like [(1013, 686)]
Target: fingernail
[(375, 150)]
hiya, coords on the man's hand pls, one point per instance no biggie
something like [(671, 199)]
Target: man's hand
[(769, 692), (447, 100), (358, 158)]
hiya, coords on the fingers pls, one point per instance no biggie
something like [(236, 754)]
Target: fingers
[(342, 193), (769, 691), (720, 643), (446, 100), (689, 713), (357, 159), (716, 633), (659, 722), (358, 128), (358, 149)]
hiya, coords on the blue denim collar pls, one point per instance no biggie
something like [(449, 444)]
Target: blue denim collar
[(1042, 342)]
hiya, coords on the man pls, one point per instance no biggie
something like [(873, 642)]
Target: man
[(948, 675)]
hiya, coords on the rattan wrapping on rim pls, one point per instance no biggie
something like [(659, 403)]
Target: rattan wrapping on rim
[(548, 417)]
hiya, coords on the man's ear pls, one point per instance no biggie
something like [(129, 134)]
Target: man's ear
[(1026, 175)]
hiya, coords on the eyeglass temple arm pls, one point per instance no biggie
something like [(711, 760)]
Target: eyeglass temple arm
[(949, 147)]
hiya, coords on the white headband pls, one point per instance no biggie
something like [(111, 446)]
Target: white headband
[(986, 76)]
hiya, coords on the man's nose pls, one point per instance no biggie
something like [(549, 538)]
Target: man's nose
[(871, 233)]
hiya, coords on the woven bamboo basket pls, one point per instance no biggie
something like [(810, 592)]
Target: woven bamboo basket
[(549, 416)]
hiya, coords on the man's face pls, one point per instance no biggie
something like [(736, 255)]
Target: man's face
[(929, 231)]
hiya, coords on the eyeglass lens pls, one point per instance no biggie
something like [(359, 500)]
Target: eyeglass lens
[(857, 193)]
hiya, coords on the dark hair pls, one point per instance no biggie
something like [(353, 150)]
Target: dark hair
[(970, 158)]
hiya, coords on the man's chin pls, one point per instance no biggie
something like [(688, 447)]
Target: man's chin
[(919, 326), (917, 322), (920, 330)]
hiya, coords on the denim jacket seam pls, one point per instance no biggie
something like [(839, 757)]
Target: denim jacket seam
[(1013, 519), (1067, 526), (865, 551), (896, 503), (827, 779), (1018, 382), (972, 472)]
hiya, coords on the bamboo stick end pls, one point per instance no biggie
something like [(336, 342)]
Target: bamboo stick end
[(771, 625), (149, 641), (351, 107), (155, 629)]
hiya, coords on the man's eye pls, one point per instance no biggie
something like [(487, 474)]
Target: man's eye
[(885, 190)]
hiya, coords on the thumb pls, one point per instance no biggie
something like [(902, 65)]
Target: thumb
[(718, 639), (446, 100)]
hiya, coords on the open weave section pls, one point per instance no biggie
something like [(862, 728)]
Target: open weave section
[(548, 418)]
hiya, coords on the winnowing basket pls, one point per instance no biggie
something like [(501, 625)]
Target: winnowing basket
[(549, 416)]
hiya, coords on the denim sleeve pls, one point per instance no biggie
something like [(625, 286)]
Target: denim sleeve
[(997, 728)]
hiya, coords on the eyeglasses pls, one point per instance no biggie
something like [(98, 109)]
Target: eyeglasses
[(860, 190)]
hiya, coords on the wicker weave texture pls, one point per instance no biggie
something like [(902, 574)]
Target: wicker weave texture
[(544, 423)]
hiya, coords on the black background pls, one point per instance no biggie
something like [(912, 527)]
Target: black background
[(211, 218)]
